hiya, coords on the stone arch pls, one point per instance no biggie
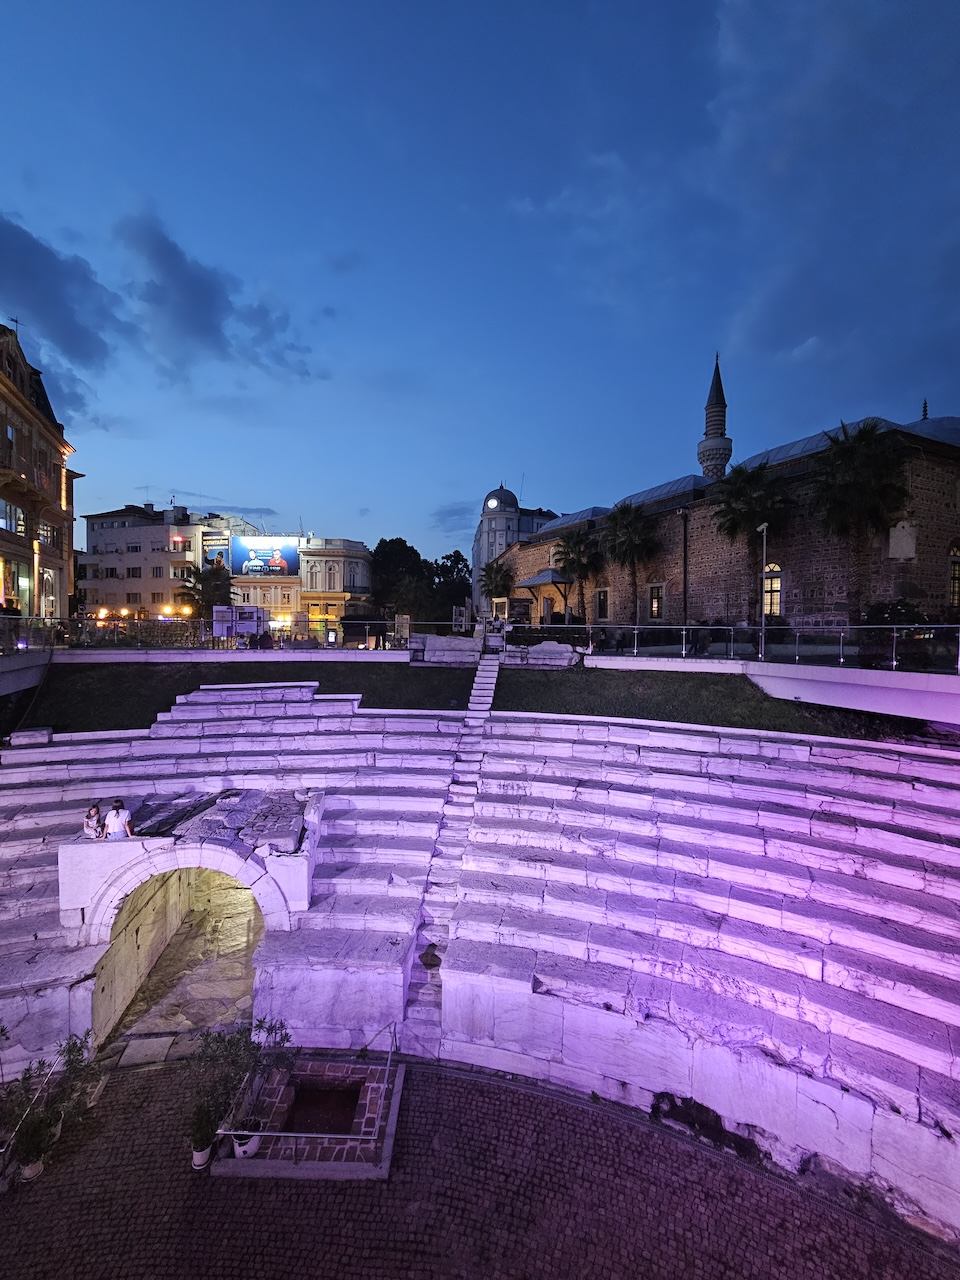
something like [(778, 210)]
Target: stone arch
[(106, 899)]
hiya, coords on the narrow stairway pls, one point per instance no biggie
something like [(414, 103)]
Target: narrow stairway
[(421, 1032)]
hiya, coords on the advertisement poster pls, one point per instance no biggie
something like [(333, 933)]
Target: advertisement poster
[(216, 549), (265, 557)]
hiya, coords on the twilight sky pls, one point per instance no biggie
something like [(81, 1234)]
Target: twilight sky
[(345, 265)]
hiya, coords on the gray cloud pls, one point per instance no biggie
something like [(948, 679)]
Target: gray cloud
[(210, 502), (455, 517), (62, 304), (347, 260), (192, 310)]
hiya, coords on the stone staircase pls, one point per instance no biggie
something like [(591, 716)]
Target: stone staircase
[(421, 1032)]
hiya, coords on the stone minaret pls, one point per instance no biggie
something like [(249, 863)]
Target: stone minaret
[(714, 450)]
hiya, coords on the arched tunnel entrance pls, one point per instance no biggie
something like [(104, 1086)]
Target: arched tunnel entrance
[(180, 956)]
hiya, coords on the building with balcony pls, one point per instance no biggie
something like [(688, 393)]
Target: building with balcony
[(138, 557), (36, 492)]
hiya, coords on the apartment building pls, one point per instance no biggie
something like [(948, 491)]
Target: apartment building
[(137, 557)]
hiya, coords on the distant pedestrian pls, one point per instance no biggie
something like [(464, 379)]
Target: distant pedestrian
[(93, 823), (118, 824), (266, 640)]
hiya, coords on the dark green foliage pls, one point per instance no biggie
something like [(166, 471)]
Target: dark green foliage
[(579, 555), (745, 499), (497, 580), (452, 582), (205, 588), (675, 697), (858, 492), (630, 540), (84, 698)]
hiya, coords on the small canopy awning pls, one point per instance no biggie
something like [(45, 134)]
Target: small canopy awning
[(546, 578)]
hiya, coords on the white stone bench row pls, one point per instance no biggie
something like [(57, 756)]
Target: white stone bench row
[(650, 740), (751, 986), (719, 881), (422, 750), (900, 857), (796, 933), (867, 795), (584, 991)]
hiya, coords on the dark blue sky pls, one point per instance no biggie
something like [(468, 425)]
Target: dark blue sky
[(351, 263)]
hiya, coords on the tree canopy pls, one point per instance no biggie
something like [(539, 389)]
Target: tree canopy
[(630, 539), (497, 580), (579, 555), (205, 588)]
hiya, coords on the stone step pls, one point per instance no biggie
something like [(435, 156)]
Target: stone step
[(399, 879), (40, 896), (697, 1012), (707, 905), (724, 826), (689, 873), (376, 912), (19, 933), (376, 848), (622, 788), (863, 1019), (383, 822)]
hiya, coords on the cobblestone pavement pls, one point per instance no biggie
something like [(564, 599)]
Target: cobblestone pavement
[(489, 1182)]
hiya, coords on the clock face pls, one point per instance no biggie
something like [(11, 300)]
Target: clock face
[(492, 502)]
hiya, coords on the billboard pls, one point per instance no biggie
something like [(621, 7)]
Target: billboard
[(216, 548), (265, 557)]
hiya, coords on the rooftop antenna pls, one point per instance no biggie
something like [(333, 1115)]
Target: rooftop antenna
[(520, 498), (15, 321), (300, 518)]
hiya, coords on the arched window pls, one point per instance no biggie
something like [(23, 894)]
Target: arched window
[(331, 577), (772, 590), (955, 576)]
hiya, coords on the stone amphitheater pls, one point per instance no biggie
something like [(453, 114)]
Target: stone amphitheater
[(695, 921)]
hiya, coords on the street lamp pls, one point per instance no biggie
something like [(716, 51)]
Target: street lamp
[(762, 530)]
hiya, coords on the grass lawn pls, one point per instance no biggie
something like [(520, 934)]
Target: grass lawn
[(694, 698), (81, 698)]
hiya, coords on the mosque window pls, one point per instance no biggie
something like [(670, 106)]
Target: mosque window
[(772, 590), (656, 603)]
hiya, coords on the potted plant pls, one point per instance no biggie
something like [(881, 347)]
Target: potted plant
[(78, 1073), (203, 1134), (228, 1062), (31, 1142)]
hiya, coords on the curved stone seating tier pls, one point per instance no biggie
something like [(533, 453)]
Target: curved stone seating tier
[(767, 924)]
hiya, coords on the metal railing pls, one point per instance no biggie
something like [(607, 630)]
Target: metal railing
[(249, 1101), (914, 647), (908, 647)]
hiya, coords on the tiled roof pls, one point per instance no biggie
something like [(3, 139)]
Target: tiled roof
[(672, 489), (575, 518)]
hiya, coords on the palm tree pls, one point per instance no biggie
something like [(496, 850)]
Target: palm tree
[(858, 491), (205, 588), (744, 499), (497, 580), (579, 556), (630, 540)]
